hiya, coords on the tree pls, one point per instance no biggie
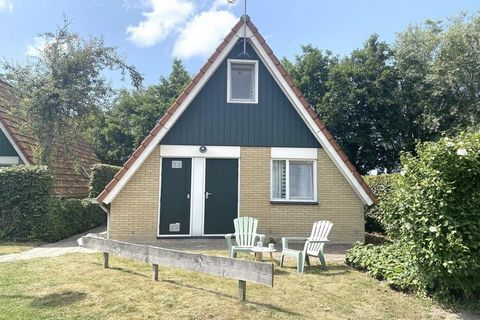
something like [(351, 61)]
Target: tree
[(361, 109), (63, 86), (439, 67), (310, 72), (135, 113)]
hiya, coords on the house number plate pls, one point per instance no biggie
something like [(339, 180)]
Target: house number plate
[(177, 164)]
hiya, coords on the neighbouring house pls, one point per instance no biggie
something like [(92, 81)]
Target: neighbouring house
[(71, 171), (241, 140)]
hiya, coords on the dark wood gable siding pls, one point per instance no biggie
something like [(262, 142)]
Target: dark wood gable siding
[(210, 120), (6, 148)]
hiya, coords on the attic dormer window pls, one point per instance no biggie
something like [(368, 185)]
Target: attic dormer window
[(242, 78)]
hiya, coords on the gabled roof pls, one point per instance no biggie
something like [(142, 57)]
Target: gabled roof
[(304, 109), (68, 181)]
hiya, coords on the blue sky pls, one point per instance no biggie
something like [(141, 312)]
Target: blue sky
[(150, 32)]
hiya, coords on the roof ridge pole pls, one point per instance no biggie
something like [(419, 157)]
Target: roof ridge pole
[(245, 27)]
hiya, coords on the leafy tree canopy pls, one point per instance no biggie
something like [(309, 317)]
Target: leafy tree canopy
[(135, 113), (64, 85), (382, 99)]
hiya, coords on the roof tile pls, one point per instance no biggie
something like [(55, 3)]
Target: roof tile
[(197, 77), (297, 92), (178, 102), (165, 118), (128, 164), (274, 59), (139, 150), (312, 113), (147, 140), (156, 129)]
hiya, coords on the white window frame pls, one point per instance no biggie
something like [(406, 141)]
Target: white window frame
[(287, 181), (229, 81)]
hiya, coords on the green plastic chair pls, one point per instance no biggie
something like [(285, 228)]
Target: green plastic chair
[(313, 245), (245, 236)]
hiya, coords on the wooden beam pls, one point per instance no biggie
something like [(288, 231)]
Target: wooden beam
[(155, 272), (105, 260), (242, 290), (244, 270)]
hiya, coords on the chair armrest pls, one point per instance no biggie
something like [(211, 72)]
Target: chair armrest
[(286, 239), (296, 238), (318, 241), (229, 236)]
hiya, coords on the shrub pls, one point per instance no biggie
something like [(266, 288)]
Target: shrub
[(382, 187), (100, 176), (434, 210), (71, 216), (389, 262), (25, 198), (28, 210)]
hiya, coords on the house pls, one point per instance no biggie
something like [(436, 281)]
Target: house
[(241, 140), (17, 147)]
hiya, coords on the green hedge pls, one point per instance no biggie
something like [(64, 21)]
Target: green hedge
[(388, 262), (432, 216), (71, 216), (25, 198), (100, 176), (435, 209), (381, 185), (28, 210)]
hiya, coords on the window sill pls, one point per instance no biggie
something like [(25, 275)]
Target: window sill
[(308, 203), (243, 101)]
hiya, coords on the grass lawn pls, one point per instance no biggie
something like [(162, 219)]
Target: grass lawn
[(8, 247), (76, 287)]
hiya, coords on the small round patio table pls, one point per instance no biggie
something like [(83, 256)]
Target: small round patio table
[(259, 250)]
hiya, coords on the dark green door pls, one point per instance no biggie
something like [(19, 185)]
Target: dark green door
[(175, 196), (221, 196)]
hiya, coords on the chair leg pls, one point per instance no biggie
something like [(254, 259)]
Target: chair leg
[(321, 257), (282, 258), (300, 262), (307, 260)]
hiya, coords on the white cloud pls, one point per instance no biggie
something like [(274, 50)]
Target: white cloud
[(36, 47), (6, 6), (203, 33), (164, 17)]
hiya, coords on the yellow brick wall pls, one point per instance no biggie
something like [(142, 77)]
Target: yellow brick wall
[(337, 200), (134, 212)]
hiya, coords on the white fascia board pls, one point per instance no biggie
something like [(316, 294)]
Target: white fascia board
[(176, 115), (294, 153), (194, 151), (17, 149), (332, 153)]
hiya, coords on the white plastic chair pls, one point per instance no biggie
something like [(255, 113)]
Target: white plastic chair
[(245, 236), (313, 245)]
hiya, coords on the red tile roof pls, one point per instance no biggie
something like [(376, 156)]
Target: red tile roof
[(68, 181), (199, 76)]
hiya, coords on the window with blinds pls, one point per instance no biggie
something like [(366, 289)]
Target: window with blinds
[(242, 81), (293, 180)]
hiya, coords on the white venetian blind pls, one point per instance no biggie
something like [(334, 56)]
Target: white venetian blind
[(242, 81)]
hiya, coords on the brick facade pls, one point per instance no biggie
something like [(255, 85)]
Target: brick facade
[(337, 200), (134, 212)]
